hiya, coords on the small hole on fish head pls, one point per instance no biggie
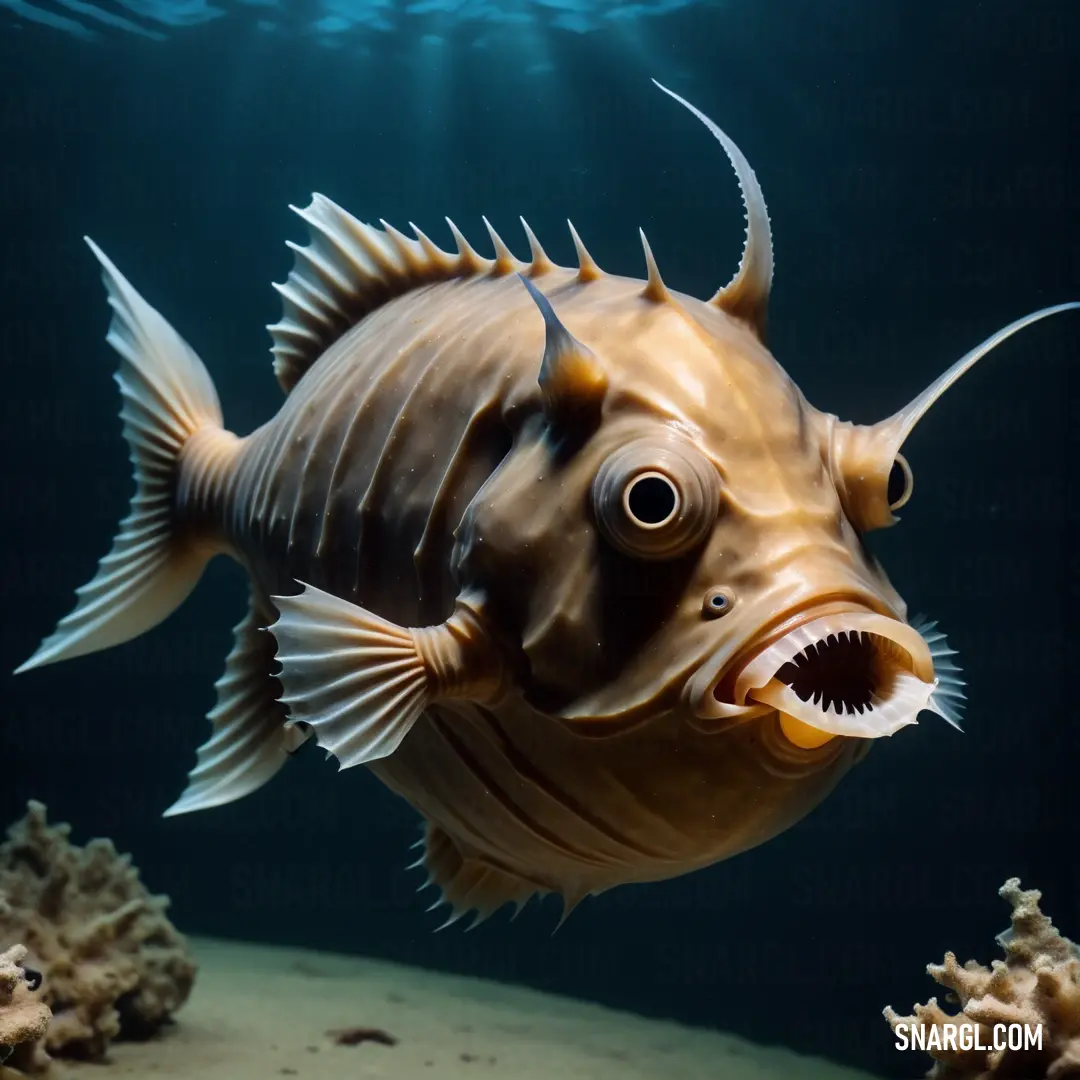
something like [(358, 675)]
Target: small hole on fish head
[(717, 602), (32, 977), (656, 498), (900, 483), (651, 500)]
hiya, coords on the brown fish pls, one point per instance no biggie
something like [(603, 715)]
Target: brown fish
[(565, 558)]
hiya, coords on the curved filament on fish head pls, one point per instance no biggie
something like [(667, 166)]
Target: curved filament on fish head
[(872, 476)]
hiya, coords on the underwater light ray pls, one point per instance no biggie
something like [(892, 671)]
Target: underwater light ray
[(107, 18), (24, 10), (334, 23)]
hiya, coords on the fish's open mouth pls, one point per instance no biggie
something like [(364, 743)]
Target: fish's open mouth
[(853, 673), (849, 671)]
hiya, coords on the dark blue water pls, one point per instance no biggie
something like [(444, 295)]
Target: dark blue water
[(921, 168)]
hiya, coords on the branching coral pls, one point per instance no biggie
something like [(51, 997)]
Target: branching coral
[(24, 1019), (1036, 985), (113, 964)]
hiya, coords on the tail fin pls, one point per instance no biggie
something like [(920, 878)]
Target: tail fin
[(167, 396)]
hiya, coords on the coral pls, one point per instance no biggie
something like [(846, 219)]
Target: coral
[(113, 964), (1038, 983), (24, 1019)]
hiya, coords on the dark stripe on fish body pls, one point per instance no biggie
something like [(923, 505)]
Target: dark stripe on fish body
[(379, 449)]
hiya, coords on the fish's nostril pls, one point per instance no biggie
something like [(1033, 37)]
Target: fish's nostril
[(717, 602)]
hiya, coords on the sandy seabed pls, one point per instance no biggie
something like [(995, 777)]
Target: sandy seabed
[(260, 1012)]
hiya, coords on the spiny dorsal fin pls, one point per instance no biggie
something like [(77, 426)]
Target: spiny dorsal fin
[(348, 269)]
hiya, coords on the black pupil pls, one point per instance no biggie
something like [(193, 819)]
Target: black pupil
[(651, 500), (897, 483), (719, 601)]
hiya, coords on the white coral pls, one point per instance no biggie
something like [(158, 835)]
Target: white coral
[(112, 961), (1038, 983), (24, 1019)]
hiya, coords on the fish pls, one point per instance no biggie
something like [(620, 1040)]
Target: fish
[(565, 558)]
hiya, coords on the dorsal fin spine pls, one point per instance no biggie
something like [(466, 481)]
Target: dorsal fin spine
[(746, 295), (505, 262), (655, 289), (291, 328), (432, 250), (540, 263), (469, 260), (321, 267), (410, 250), (588, 270), (296, 298), (379, 251)]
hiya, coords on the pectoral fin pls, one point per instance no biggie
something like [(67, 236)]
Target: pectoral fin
[(360, 682)]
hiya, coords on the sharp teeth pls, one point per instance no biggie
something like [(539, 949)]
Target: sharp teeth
[(804, 644), (908, 697)]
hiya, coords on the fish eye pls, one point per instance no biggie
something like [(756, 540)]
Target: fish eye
[(717, 602), (900, 484), (651, 500), (656, 498)]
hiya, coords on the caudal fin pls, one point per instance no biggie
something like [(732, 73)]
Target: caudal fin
[(167, 396)]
